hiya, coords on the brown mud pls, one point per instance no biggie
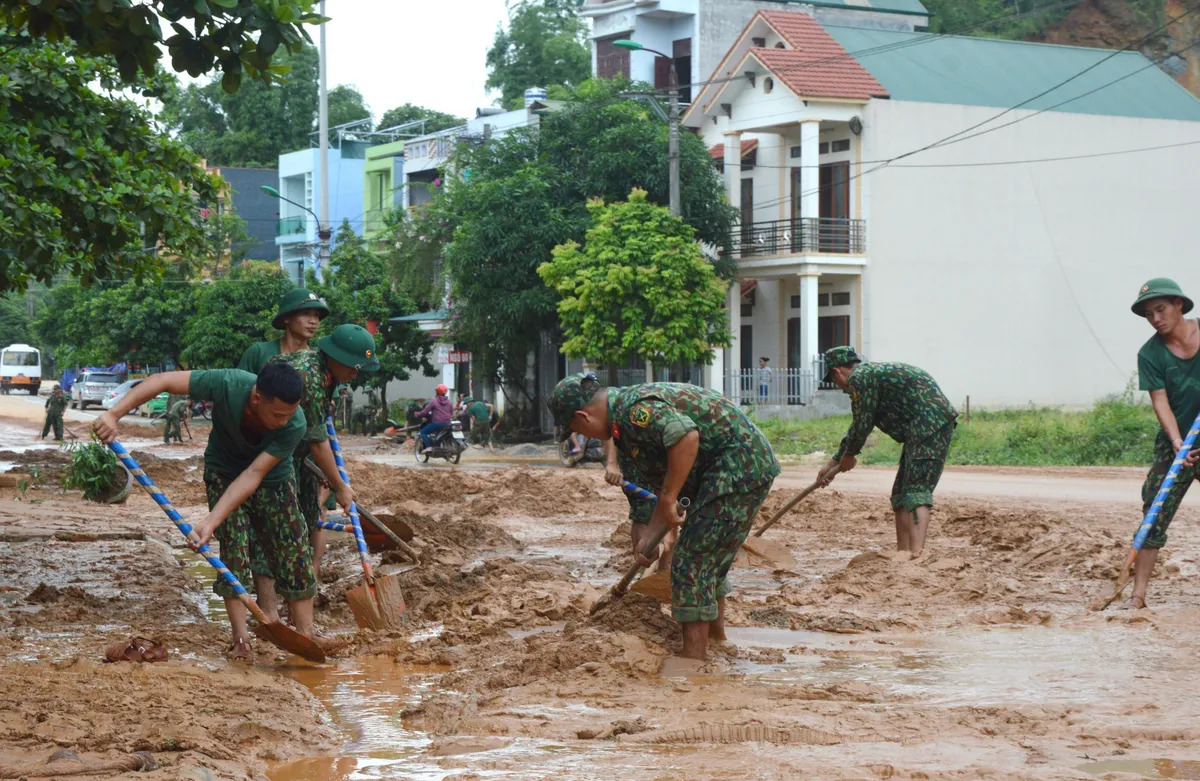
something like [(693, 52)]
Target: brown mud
[(978, 659)]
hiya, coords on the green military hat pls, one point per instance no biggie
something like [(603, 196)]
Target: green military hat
[(297, 299), (571, 395), (839, 356), (351, 345), (1159, 287)]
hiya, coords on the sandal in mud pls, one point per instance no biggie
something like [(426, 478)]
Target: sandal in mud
[(136, 649), (240, 653), (1133, 603)]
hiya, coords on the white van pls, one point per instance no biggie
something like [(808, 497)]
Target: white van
[(20, 369)]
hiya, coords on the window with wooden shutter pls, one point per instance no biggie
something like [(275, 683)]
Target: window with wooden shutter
[(611, 61)]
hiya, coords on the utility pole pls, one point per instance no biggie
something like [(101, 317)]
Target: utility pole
[(673, 143), (323, 231)]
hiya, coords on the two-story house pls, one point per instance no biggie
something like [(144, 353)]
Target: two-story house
[(983, 208)]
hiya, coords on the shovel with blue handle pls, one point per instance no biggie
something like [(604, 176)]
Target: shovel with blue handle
[(1139, 539), (275, 632)]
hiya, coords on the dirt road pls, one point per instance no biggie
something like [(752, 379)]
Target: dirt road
[(978, 661)]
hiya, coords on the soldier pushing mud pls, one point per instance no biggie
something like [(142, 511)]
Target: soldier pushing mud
[(907, 405), (55, 405), (681, 440)]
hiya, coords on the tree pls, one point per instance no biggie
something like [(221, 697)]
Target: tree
[(359, 290), (16, 326), (229, 241), (252, 126), (545, 45), (238, 36), (346, 104), (639, 287), (434, 120), (87, 186), (233, 313)]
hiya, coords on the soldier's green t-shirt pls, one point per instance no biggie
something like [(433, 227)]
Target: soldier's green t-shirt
[(1160, 369), (257, 355), (229, 453), (479, 411)]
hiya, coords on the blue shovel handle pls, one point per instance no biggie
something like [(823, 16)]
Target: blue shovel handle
[(145, 482), (637, 491), (359, 539), (1143, 531)]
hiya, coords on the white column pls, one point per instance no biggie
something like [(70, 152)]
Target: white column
[(735, 345), (733, 169), (808, 319), (810, 178)]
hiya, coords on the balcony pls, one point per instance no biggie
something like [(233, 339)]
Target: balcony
[(291, 226), (832, 235)]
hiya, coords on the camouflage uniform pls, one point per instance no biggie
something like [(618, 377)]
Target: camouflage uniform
[(54, 415), (1164, 456), (907, 405), (731, 477), (174, 416), (268, 521)]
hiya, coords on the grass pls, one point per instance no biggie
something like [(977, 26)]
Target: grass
[(1116, 432)]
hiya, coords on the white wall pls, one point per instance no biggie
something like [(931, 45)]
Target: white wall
[(963, 278)]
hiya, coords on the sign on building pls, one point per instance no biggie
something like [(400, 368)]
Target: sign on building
[(460, 356)]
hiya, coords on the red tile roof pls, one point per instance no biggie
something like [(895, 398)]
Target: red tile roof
[(717, 151), (816, 66)]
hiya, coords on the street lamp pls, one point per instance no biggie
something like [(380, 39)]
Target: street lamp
[(673, 135), (323, 232)]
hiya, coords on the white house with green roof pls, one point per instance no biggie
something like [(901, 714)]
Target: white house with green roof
[(893, 198)]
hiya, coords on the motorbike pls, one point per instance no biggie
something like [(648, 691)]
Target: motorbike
[(201, 409), (592, 453), (448, 443)]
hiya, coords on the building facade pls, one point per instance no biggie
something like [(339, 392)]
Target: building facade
[(258, 209), (900, 204)]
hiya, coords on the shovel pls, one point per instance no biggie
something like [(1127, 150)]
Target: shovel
[(1139, 539), (275, 632), (390, 529), (622, 587), (377, 604), (774, 551)]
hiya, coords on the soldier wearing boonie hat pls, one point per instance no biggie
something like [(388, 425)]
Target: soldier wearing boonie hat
[(907, 405), (1168, 367), (300, 314)]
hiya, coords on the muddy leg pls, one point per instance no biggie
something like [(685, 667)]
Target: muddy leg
[(918, 530), (237, 619), (264, 592), (716, 629), (301, 613), (1141, 575), (904, 525), (695, 639)]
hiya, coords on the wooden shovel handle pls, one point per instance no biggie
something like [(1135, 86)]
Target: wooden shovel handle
[(650, 545), (795, 501), (365, 513)]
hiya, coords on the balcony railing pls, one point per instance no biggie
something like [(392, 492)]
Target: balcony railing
[(778, 387), (798, 237), (291, 226)]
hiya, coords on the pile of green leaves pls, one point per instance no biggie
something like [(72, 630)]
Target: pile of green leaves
[(94, 470)]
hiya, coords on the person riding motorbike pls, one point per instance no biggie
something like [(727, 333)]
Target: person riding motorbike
[(439, 412)]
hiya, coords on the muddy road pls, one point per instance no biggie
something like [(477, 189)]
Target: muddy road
[(978, 661)]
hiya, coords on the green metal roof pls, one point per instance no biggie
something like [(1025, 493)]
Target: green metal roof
[(993, 72), (440, 314)]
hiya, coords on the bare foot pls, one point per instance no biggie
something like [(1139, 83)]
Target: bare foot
[(1133, 603)]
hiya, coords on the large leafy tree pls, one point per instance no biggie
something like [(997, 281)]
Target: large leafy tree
[(434, 120), (545, 45), (359, 290), (234, 36), (87, 186), (16, 326), (347, 104), (256, 124), (638, 288), (233, 313)]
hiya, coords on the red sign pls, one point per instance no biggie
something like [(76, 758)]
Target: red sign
[(460, 356)]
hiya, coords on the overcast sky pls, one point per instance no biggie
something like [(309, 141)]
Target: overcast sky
[(427, 52)]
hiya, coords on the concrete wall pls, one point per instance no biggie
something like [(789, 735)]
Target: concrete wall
[(258, 209), (825, 404), (1012, 283)]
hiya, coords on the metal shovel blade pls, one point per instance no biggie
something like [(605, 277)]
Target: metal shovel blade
[(657, 585), (283, 636), (380, 610), (773, 552)]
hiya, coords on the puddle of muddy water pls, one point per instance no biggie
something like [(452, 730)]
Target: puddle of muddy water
[(1189, 770)]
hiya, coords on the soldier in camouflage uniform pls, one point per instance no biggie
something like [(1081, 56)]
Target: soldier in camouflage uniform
[(54, 414), (681, 440), (174, 418), (371, 416), (256, 426), (907, 405)]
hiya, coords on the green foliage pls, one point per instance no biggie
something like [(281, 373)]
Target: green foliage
[(347, 104), (416, 255), (1115, 432), (545, 45), (434, 120), (233, 313), (973, 17), (359, 290), (638, 288), (229, 241), (16, 326), (87, 186), (254, 125), (237, 36), (94, 470)]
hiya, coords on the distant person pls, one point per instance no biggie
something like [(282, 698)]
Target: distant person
[(1168, 370), (907, 405), (438, 412), (764, 379), (174, 420), (481, 426), (55, 405)]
